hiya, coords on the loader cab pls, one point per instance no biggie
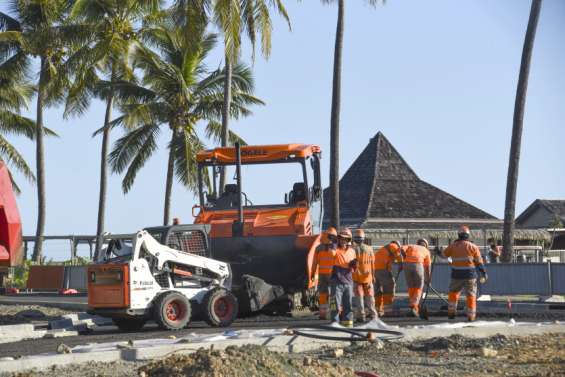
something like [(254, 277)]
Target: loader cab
[(274, 180)]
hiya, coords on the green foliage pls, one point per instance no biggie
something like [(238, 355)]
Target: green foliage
[(179, 92), (18, 279)]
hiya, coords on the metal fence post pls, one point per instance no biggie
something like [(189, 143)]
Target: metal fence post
[(549, 279)]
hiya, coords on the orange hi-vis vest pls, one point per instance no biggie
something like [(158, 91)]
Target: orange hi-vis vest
[(384, 258), (464, 255), (324, 259), (363, 274), (417, 254), (343, 257)]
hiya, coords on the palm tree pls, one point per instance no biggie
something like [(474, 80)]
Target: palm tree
[(37, 30), (177, 91), (233, 17), (336, 106), (517, 126), (15, 94), (103, 58)]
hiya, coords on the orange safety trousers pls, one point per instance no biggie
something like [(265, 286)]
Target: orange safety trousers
[(384, 291), (414, 275), (469, 286)]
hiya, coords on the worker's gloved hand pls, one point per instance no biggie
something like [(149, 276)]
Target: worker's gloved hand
[(484, 277), (353, 264)]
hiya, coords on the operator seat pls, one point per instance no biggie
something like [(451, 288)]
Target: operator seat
[(298, 193), (228, 198)]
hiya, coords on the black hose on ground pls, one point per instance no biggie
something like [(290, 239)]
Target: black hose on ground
[(356, 334)]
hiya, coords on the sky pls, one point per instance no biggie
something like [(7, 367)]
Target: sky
[(437, 77)]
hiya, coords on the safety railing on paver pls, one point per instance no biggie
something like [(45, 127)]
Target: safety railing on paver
[(542, 279)]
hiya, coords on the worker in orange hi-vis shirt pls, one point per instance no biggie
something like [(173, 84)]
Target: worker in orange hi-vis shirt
[(384, 281), (364, 294), (465, 260), (324, 262), (417, 271), (345, 262)]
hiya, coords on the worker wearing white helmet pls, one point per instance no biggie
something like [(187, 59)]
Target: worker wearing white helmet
[(363, 277)]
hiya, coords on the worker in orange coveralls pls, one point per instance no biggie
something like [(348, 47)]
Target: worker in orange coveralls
[(384, 281), (345, 262), (465, 260), (417, 271), (363, 299), (324, 261)]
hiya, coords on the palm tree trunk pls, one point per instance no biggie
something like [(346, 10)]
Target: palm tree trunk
[(334, 131), (103, 174), (517, 126), (169, 181), (40, 167), (226, 115)]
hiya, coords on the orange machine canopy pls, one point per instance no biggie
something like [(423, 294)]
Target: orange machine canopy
[(258, 153)]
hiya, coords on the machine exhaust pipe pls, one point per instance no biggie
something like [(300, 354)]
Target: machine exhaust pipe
[(237, 227)]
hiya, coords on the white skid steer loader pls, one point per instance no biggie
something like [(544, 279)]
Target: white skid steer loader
[(135, 279)]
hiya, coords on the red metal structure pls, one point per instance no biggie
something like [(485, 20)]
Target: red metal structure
[(11, 249)]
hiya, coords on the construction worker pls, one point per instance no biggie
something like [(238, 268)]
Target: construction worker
[(384, 281), (345, 263), (363, 299), (323, 261), (417, 271), (465, 260)]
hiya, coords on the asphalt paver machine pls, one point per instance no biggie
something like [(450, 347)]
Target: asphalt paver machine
[(274, 242)]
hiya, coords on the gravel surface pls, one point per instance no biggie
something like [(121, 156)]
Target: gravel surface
[(117, 369), (538, 355), (243, 361), (16, 314)]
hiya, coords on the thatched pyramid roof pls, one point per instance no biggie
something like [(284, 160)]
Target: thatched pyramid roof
[(380, 187)]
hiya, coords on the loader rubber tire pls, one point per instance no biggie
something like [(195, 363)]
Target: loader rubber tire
[(172, 311), (129, 324), (219, 307)]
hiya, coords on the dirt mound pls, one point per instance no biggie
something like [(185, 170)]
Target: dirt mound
[(245, 361), (456, 341)]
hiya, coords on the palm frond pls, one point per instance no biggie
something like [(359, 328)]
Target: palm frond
[(214, 132), (129, 146), (12, 157)]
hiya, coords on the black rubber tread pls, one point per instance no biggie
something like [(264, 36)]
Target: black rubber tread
[(159, 311), (208, 312), (129, 324)]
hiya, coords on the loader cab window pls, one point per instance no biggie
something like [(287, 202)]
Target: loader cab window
[(188, 241), (118, 250), (282, 184)]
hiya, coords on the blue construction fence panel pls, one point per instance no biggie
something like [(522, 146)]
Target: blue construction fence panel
[(558, 278), (504, 279)]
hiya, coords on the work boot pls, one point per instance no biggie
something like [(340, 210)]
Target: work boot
[(348, 324), (471, 318), (450, 315), (413, 312), (361, 319), (382, 314)]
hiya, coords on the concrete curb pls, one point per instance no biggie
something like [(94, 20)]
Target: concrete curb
[(279, 343), (14, 333)]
